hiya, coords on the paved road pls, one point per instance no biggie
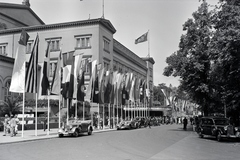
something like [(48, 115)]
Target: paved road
[(166, 142)]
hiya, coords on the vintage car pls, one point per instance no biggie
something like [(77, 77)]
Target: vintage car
[(127, 124), (76, 127), (218, 127)]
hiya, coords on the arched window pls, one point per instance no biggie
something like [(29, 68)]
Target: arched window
[(6, 90)]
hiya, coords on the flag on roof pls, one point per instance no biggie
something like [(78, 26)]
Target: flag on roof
[(142, 38)]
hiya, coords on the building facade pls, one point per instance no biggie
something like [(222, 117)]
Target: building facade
[(94, 38)]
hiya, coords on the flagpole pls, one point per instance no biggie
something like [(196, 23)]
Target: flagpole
[(36, 114), (24, 64), (103, 116), (98, 116), (121, 112), (113, 116), (109, 116), (48, 113), (148, 43), (67, 110), (128, 111), (59, 108), (83, 110), (117, 102)]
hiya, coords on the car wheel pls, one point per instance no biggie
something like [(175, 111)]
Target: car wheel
[(89, 131), (219, 136), (60, 135), (200, 134), (76, 134)]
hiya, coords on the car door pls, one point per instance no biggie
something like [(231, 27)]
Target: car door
[(206, 127)]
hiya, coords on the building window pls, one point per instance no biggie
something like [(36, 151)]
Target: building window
[(150, 72), (106, 45), (29, 46), (106, 66), (3, 49), (83, 41), (7, 93), (54, 43)]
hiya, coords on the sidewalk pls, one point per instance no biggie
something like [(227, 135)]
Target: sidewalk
[(29, 135)]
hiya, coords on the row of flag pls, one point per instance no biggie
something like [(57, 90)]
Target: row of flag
[(105, 86)]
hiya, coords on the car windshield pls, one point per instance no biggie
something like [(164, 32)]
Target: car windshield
[(221, 121)]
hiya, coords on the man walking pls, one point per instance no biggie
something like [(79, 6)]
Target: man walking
[(6, 124), (185, 122)]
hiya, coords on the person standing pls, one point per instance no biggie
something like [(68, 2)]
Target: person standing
[(185, 122), (6, 125), (13, 125), (45, 123), (17, 122)]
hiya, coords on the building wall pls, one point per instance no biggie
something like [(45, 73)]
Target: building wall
[(6, 67), (115, 57)]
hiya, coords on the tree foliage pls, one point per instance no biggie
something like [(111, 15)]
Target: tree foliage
[(208, 58), (191, 62)]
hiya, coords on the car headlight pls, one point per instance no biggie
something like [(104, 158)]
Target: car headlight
[(225, 128), (236, 129)]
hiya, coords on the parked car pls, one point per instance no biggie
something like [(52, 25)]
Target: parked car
[(75, 127), (218, 127), (127, 124)]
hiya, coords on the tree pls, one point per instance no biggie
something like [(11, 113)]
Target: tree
[(191, 62), (226, 54), (12, 105)]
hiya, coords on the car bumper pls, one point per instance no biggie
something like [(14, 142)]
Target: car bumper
[(237, 135), (65, 133)]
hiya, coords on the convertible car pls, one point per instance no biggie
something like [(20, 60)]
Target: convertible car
[(75, 127), (127, 124)]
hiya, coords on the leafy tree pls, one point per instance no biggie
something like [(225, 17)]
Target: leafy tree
[(191, 62), (12, 105), (226, 54)]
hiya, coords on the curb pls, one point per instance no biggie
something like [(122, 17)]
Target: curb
[(44, 137)]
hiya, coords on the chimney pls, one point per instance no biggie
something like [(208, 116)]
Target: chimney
[(26, 3)]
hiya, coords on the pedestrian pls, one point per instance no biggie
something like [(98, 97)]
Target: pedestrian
[(12, 125), (185, 122), (149, 123), (17, 122), (45, 123), (6, 125)]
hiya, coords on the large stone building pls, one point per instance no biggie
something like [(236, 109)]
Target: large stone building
[(93, 37)]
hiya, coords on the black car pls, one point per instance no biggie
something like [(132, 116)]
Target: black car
[(218, 127)]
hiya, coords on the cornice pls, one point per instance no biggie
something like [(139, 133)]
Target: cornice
[(100, 21), (150, 59), (125, 52), (20, 6), (6, 59)]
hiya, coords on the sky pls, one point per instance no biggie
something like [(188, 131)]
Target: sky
[(131, 18)]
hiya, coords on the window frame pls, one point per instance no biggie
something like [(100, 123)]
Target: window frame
[(83, 41)]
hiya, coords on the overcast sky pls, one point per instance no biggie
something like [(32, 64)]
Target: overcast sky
[(131, 18)]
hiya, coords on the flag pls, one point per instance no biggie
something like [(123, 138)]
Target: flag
[(81, 81), (18, 74), (45, 80), (108, 87), (77, 68), (142, 92), (131, 94), (90, 85), (142, 38), (101, 82), (66, 80), (128, 84), (32, 69), (95, 88), (56, 82), (71, 82)]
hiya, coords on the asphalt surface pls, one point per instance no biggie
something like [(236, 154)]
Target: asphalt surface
[(166, 142)]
